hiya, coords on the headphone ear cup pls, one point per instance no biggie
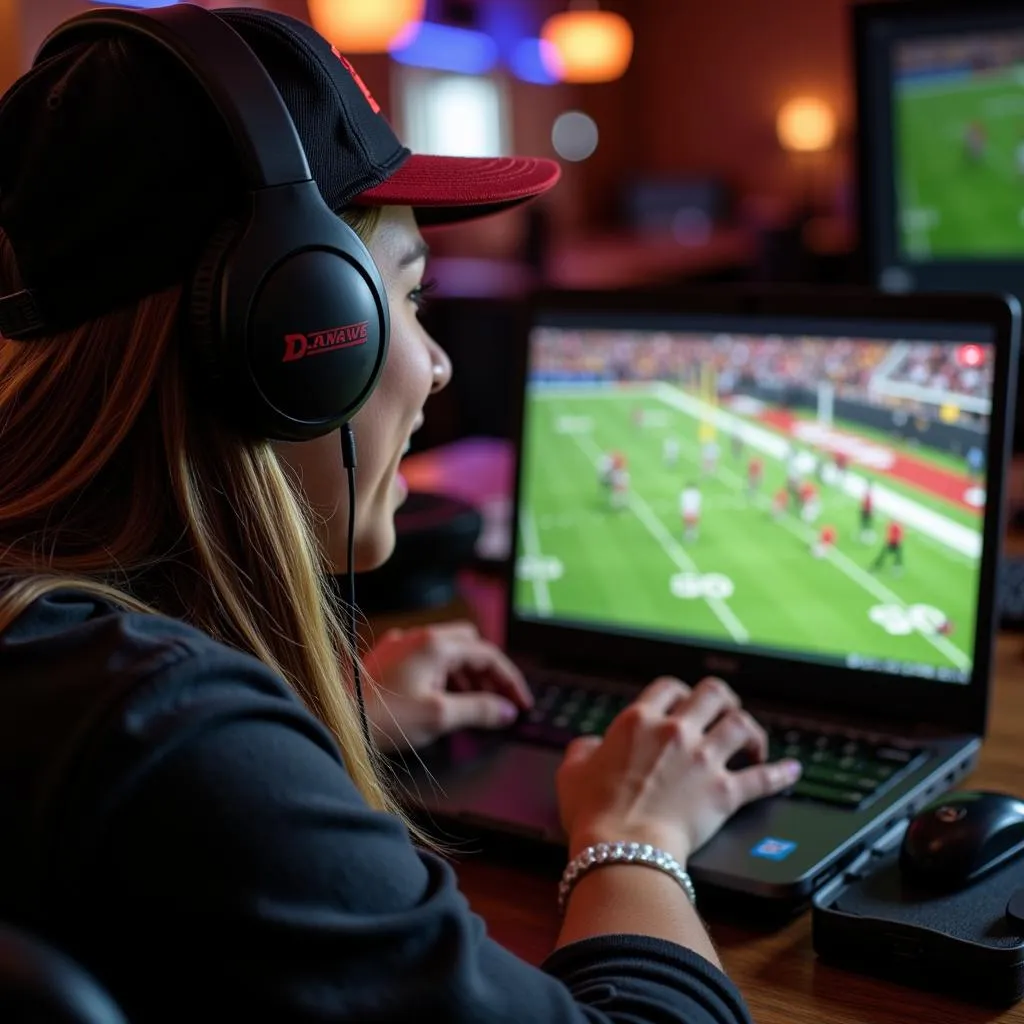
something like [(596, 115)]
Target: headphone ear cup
[(288, 282), (204, 301), (309, 379)]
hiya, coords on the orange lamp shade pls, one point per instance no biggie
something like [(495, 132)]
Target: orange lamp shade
[(588, 46), (365, 26), (806, 125)]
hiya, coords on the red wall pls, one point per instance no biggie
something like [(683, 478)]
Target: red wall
[(706, 81)]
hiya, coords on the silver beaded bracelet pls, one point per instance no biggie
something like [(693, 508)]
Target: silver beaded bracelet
[(621, 853)]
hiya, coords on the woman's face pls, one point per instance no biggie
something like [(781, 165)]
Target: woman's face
[(416, 368)]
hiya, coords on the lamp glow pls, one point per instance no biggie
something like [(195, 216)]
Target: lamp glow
[(592, 46), (365, 26), (805, 125)]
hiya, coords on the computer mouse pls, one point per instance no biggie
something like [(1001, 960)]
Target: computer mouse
[(960, 837)]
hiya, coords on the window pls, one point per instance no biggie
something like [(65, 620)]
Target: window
[(452, 115)]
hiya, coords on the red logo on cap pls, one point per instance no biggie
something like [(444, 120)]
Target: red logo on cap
[(374, 105)]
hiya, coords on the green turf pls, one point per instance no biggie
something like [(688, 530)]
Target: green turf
[(949, 206), (614, 569)]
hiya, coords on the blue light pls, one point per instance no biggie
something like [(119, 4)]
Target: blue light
[(449, 49), (527, 62), (145, 5), (506, 23)]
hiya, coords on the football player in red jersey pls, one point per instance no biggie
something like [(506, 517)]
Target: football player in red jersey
[(867, 515), (893, 547), (755, 474), (826, 539), (619, 480), (779, 502), (810, 503)]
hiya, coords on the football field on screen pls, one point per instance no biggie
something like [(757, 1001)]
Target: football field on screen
[(747, 578), (948, 204)]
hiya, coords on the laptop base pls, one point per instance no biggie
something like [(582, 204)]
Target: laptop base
[(750, 865)]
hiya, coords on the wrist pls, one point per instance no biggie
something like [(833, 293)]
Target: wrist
[(625, 854), (669, 840)]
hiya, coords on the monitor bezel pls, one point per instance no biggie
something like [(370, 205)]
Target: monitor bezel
[(959, 706), (876, 27)]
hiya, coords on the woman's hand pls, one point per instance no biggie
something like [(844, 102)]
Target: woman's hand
[(659, 773), (432, 680)]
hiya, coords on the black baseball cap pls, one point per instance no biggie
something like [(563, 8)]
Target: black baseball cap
[(115, 167)]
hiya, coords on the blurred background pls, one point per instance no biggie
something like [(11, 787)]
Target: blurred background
[(813, 142), (709, 142)]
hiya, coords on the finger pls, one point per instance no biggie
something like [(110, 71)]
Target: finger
[(484, 665), (580, 749), (762, 780), (736, 730), (507, 677), (662, 694), (710, 699), (477, 711)]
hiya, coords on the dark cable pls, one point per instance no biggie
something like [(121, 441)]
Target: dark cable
[(348, 460)]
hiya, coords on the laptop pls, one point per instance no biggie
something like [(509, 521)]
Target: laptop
[(801, 494)]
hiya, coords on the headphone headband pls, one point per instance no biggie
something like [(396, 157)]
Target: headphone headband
[(211, 51)]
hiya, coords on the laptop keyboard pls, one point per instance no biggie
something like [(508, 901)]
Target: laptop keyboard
[(841, 768)]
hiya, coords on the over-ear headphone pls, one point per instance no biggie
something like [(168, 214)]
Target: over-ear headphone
[(288, 281)]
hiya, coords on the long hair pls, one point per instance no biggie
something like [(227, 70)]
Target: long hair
[(118, 482)]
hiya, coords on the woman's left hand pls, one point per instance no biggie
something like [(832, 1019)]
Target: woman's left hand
[(432, 680)]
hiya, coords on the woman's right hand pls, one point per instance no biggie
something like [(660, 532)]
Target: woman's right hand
[(659, 773)]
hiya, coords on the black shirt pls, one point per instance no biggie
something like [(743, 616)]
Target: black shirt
[(177, 821)]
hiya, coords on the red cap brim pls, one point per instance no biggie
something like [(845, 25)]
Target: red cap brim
[(447, 189)]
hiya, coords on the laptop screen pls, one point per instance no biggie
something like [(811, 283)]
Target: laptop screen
[(806, 489)]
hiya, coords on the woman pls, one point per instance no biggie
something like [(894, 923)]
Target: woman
[(190, 808)]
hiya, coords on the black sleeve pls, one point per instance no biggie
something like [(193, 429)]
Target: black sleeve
[(241, 876)]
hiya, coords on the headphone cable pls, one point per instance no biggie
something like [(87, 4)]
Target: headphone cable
[(348, 460)]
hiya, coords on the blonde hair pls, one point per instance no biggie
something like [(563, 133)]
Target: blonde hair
[(116, 481)]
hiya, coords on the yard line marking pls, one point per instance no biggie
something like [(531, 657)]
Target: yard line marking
[(531, 544), (669, 544)]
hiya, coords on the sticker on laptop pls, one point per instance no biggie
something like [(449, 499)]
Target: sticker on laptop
[(773, 849)]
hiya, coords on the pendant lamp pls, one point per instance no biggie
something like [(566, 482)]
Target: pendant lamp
[(588, 45), (365, 26)]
